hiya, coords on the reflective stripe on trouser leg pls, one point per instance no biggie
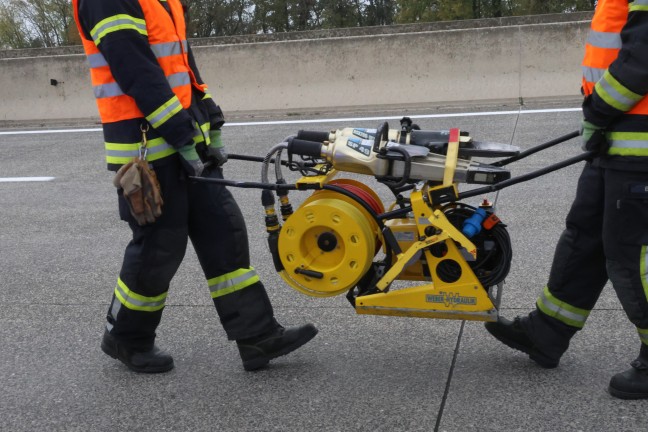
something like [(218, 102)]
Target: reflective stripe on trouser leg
[(231, 282), (131, 300), (219, 236), (560, 310), (578, 272), (138, 316), (625, 237), (643, 335), (150, 261), (643, 264)]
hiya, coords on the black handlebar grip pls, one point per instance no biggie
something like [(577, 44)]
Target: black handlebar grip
[(313, 135), (304, 147)]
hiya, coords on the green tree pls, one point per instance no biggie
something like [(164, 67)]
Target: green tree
[(434, 10), (340, 13), (208, 18), (13, 33), (379, 12), (35, 23)]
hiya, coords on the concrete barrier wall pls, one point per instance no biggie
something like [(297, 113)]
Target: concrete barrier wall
[(482, 60)]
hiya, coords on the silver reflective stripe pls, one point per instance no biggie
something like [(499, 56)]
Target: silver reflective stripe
[(179, 79), (113, 89), (561, 310), (97, 60), (162, 115), (166, 49), (629, 144), (107, 90), (115, 307), (136, 304), (604, 39), (564, 313), (592, 74), (132, 153), (160, 50), (234, 283), (639, 3), (622, 100)]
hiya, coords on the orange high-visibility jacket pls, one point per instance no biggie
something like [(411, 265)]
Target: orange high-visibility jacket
[(615, 75), (144, 77)]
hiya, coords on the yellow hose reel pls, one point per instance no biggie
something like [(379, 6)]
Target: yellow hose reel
[(327, 245)]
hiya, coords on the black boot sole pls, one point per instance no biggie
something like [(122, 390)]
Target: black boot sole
[(625, 395), (540, 360), (259, 362), (110, 351)]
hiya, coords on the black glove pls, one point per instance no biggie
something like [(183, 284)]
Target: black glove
[(594, 138), (191, 163), (216, 150)]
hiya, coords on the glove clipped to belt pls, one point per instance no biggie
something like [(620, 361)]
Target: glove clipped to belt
[(141, 190)]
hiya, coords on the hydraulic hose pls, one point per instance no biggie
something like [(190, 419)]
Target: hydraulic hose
[(266, 161)]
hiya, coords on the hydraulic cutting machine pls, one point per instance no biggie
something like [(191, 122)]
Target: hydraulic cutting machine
[(426, 255)]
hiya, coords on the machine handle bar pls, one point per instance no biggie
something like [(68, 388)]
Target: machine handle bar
[(536, 149), (526, 177), (309, 135)]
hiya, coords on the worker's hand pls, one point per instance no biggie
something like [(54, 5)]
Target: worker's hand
[(191, 163), (216, 150), (593, 138)]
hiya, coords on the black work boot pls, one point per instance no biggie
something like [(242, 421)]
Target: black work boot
[(515, 334), (633, 383), (152, 361), (257, 352)]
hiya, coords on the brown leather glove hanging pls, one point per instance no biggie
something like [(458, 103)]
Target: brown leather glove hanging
[(141, 188)]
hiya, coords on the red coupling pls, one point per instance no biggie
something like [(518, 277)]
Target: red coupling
[(490, 221)]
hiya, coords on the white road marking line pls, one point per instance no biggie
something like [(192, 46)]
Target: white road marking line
[(25, 179), (331, 120)]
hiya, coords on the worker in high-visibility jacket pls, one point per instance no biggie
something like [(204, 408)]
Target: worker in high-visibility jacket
[(148, 91), (606, 233)]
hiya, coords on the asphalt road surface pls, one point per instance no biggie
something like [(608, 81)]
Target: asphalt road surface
[(61, 246)]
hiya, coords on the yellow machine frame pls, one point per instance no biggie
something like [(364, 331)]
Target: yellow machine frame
[(346, 223)]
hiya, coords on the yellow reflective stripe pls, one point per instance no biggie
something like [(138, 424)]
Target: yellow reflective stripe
[(122, 153), (200, 136), (627, 152), (638, 6), (643, 266), (562, 311), (231, 282), (643, 335), (136, 301), (115, 23), (616, 94), (628, 143), (165, 112)]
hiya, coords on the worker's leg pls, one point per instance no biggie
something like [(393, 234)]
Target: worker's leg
[(626, 241), (575, 282), (151, 259), (217, 231), (219, 235)]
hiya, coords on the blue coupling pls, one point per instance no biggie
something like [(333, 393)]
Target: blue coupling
[(473, 225)]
